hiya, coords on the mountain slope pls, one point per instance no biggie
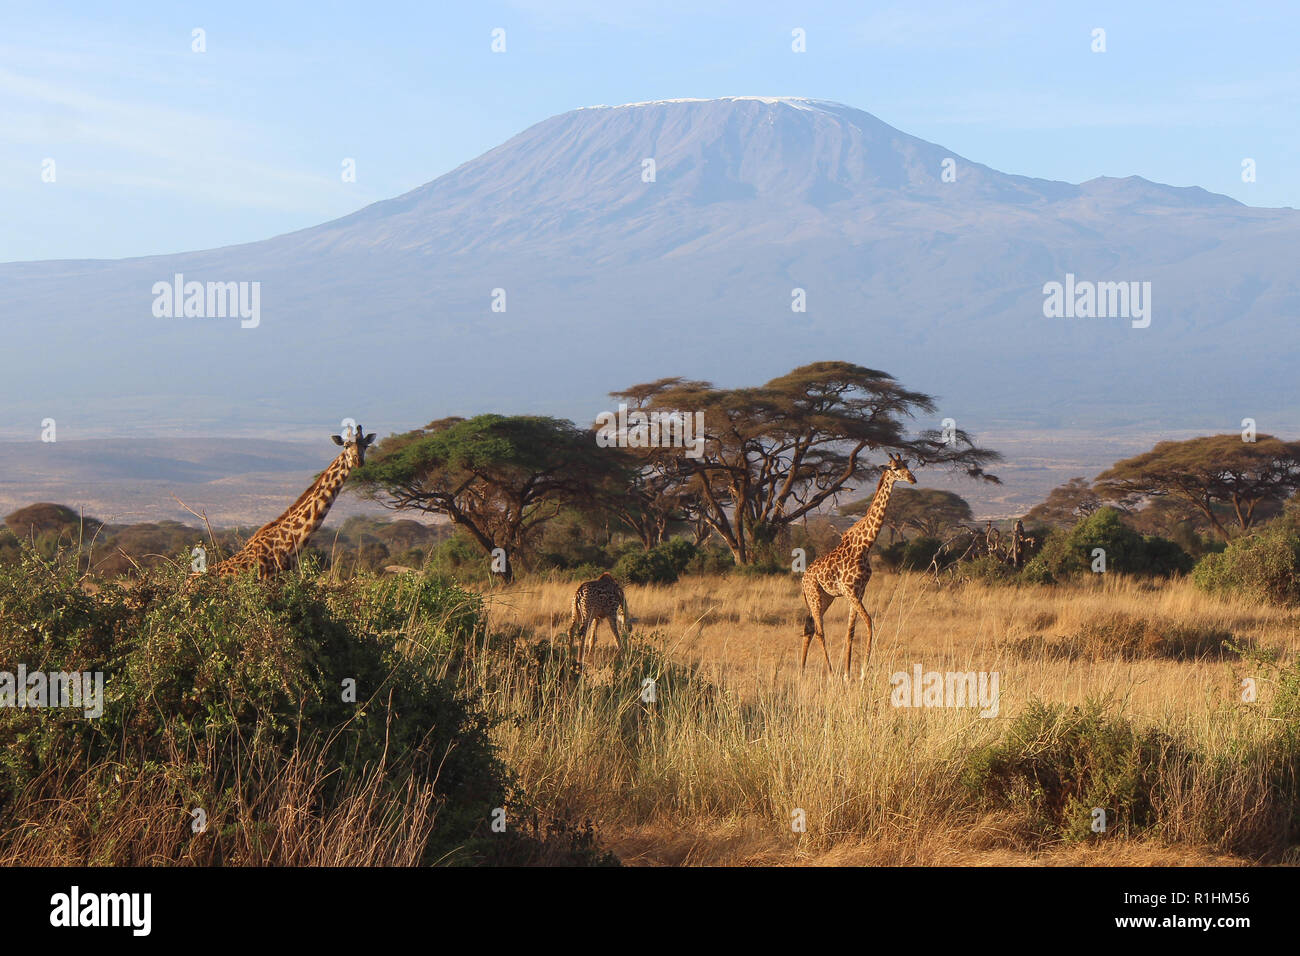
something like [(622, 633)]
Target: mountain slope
[(386, 314)]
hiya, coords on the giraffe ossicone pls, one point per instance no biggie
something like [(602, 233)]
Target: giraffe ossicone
[(275, 546)]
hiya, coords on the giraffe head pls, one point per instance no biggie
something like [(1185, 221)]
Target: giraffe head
[(899, 469), (354, 442)]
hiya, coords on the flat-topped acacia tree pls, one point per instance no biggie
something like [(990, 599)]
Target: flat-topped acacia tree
[(1208, 471), (1066, 505), (497, 477), (778, 452)]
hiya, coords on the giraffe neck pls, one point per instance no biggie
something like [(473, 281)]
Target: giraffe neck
[(862, 535), (307, 514)]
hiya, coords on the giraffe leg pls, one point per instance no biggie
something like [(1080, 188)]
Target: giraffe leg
[(857, 602), (848, 641), (824, 603), (618, 638), (809, 629), (818, 601)]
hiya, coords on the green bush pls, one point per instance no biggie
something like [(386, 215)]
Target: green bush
[(1037, 571), (205, 681), (1265, 566), (1069, 553), (891, 556), (989, 569), (662, 564), (461, 558), (679, 552), (711, 559), (585, 572), (645, 567), (1055, 764), (919, 553)]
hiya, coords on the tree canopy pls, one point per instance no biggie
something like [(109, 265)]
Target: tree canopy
[(775, 453), (1066, 504), (1209, 471), (497, 477)]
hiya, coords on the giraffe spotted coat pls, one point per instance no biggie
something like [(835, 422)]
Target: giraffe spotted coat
[(275, 546), (593, 602), (845, 570)]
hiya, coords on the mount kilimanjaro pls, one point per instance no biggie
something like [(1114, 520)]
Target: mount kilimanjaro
[(669, 238)]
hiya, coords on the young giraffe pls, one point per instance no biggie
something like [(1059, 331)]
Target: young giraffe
[(845, 570), (594, 601), (275, 546)]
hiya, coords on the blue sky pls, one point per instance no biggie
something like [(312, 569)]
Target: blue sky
[(158, 149)]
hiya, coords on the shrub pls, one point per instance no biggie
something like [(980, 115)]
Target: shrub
[(891, 556), (711, 559), (762, 568), (1069, 553), (1037, 571), (461, 558), (988, 569), (662, 564), (919, 553), (1265, 566), (1056, 763), (679, 553), (645, 567), (585, 572), (212, 689), (1124, 636)]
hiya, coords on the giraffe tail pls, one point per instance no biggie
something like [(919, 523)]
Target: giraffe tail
[(809, 628)]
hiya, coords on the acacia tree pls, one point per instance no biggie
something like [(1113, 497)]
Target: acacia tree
[(498, 478), (1209, 471), (928, 511), (775, 453), (1066, 505), (660, 493)]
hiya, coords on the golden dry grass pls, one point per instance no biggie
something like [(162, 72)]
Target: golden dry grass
[(879, 784)]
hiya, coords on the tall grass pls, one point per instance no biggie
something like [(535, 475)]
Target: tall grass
[(703, 743), (1146, 721)]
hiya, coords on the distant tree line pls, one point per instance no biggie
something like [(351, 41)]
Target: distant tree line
[(543, 495), (1220, 505), (768, 457), (110, 550)]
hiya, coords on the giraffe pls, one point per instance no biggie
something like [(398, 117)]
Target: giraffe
[(594, 601), (275, 546), (845, 570)]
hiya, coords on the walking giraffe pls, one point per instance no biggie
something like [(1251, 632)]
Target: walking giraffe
[(845, 570), (275, 546), (594, 601)]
